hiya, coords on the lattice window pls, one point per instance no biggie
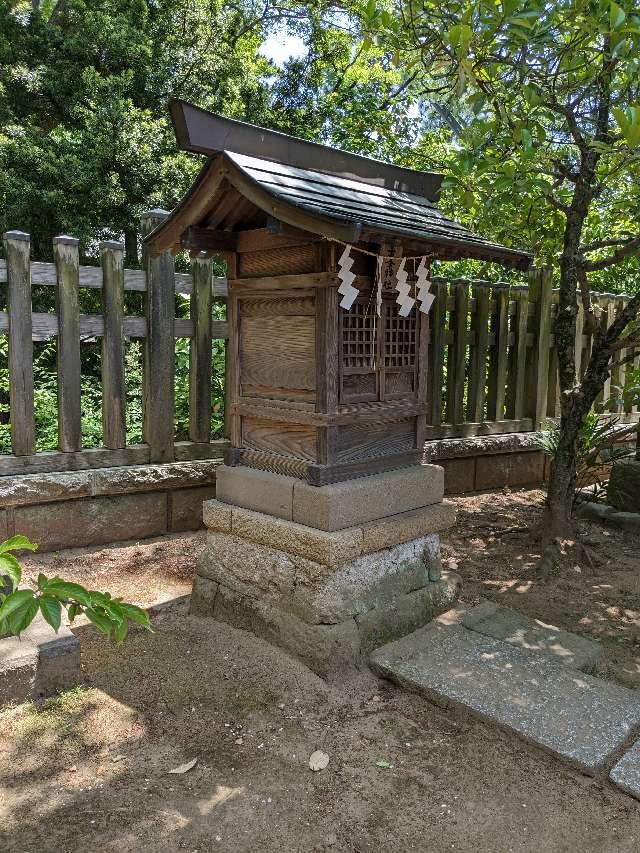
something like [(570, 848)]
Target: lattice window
[(399, 338), (359, 336)]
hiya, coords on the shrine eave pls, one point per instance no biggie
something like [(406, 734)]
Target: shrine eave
[(346, 198)]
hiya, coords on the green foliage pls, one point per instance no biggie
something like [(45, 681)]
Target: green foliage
[(19, 606)]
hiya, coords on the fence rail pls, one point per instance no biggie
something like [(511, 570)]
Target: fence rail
[(492, 366)]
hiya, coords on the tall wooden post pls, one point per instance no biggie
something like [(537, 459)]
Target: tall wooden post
[(159, 352), (65, 253), (113, 384), (17, 247), (540, 292), (200, 351)]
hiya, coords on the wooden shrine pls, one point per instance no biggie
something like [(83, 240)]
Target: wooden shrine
[(324, 534), (316, 391)]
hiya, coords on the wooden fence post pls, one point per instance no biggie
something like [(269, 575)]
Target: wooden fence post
[(17, 246), (460, 337), (113, 381), (478, 370), (159, 352), (65, 254), (498, 359), (436, 352), (200, 351), (540, 291)]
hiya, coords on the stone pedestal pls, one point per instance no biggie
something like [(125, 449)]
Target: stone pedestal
[(327, 573)]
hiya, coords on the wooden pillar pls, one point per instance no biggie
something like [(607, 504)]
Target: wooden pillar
[(17, 248), (540, 292), (200, 351), (65, 253), (113, 381), (159, 351)]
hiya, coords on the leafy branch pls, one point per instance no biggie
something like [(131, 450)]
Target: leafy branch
[(19, 606)]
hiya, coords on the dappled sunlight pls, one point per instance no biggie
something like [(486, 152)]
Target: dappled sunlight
[(222, 794)]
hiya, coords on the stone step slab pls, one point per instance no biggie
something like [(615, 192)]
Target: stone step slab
[(626, 773), (580, 719), (530, 635)]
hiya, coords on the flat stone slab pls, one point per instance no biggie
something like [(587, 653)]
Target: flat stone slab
[(577, 717), (626, 773), (532, 635)]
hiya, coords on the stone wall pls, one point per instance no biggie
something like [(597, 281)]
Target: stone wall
[(489, 462), (73, 509)]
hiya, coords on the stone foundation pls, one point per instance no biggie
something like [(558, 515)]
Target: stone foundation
[(623, 491), (360, 574)]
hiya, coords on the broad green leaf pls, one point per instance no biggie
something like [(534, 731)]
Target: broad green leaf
[(17, 543), (73, 611), (102, 622), (10, 567), (14, 601), (616, 15), (51, 609), (121, 631), (18, 610), (135, 613), (67, 590)]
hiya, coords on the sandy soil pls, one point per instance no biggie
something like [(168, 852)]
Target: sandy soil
[(91, 771)]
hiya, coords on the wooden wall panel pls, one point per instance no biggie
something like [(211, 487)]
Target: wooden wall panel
[(298, 440), (278, 352), (285, 261), (382, 438)]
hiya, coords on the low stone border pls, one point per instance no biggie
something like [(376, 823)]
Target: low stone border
[(592, 511), (39, 664), (83, 508)]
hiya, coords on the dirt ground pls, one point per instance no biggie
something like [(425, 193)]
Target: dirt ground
[(91, 770)]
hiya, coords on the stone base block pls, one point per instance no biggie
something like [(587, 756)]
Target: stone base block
[(333, 507), (623, 491), (39, 664), (330, 548), (325, 616)]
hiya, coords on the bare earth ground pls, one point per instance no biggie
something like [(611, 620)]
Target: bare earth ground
[(90, 771)]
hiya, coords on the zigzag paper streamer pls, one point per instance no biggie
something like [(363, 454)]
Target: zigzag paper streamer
[(404, 300), (346, 289), (425, 297)]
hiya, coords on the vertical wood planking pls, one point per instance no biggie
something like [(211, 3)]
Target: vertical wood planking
[(499, 353), (113, 383), (450, 379), (423, 362), (521, 319), (67, 261), (608, 307), (159, 351), (553, 382), (436, 363), (460, 338), (478, 373), (541, 291), (200, 351), (17, 247), (618, 371)]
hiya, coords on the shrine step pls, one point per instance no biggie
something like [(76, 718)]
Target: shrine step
[(580, 719), (530, 635)]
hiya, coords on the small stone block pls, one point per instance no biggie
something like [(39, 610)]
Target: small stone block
[(388, 532), (4, 525), (531, 635), (216, 516), (623, 490), (329, 548), (254, 489), (18, 664), (577, 717), (186, 508), (365, 499), (509, 469), (626, 773)]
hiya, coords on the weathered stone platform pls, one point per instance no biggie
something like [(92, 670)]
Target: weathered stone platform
[(581, 719), (623, 490), (330, 572), (39, 664)]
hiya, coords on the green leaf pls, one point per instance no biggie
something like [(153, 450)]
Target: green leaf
[(51, 609), (136, 614), (616, 15), (43, 580), (10, 567), (17, 543), (121, 631), (67, 590), (73, 611), (102, 622), (18, 610)]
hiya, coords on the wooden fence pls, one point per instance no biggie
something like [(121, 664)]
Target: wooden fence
[(492, 366)]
